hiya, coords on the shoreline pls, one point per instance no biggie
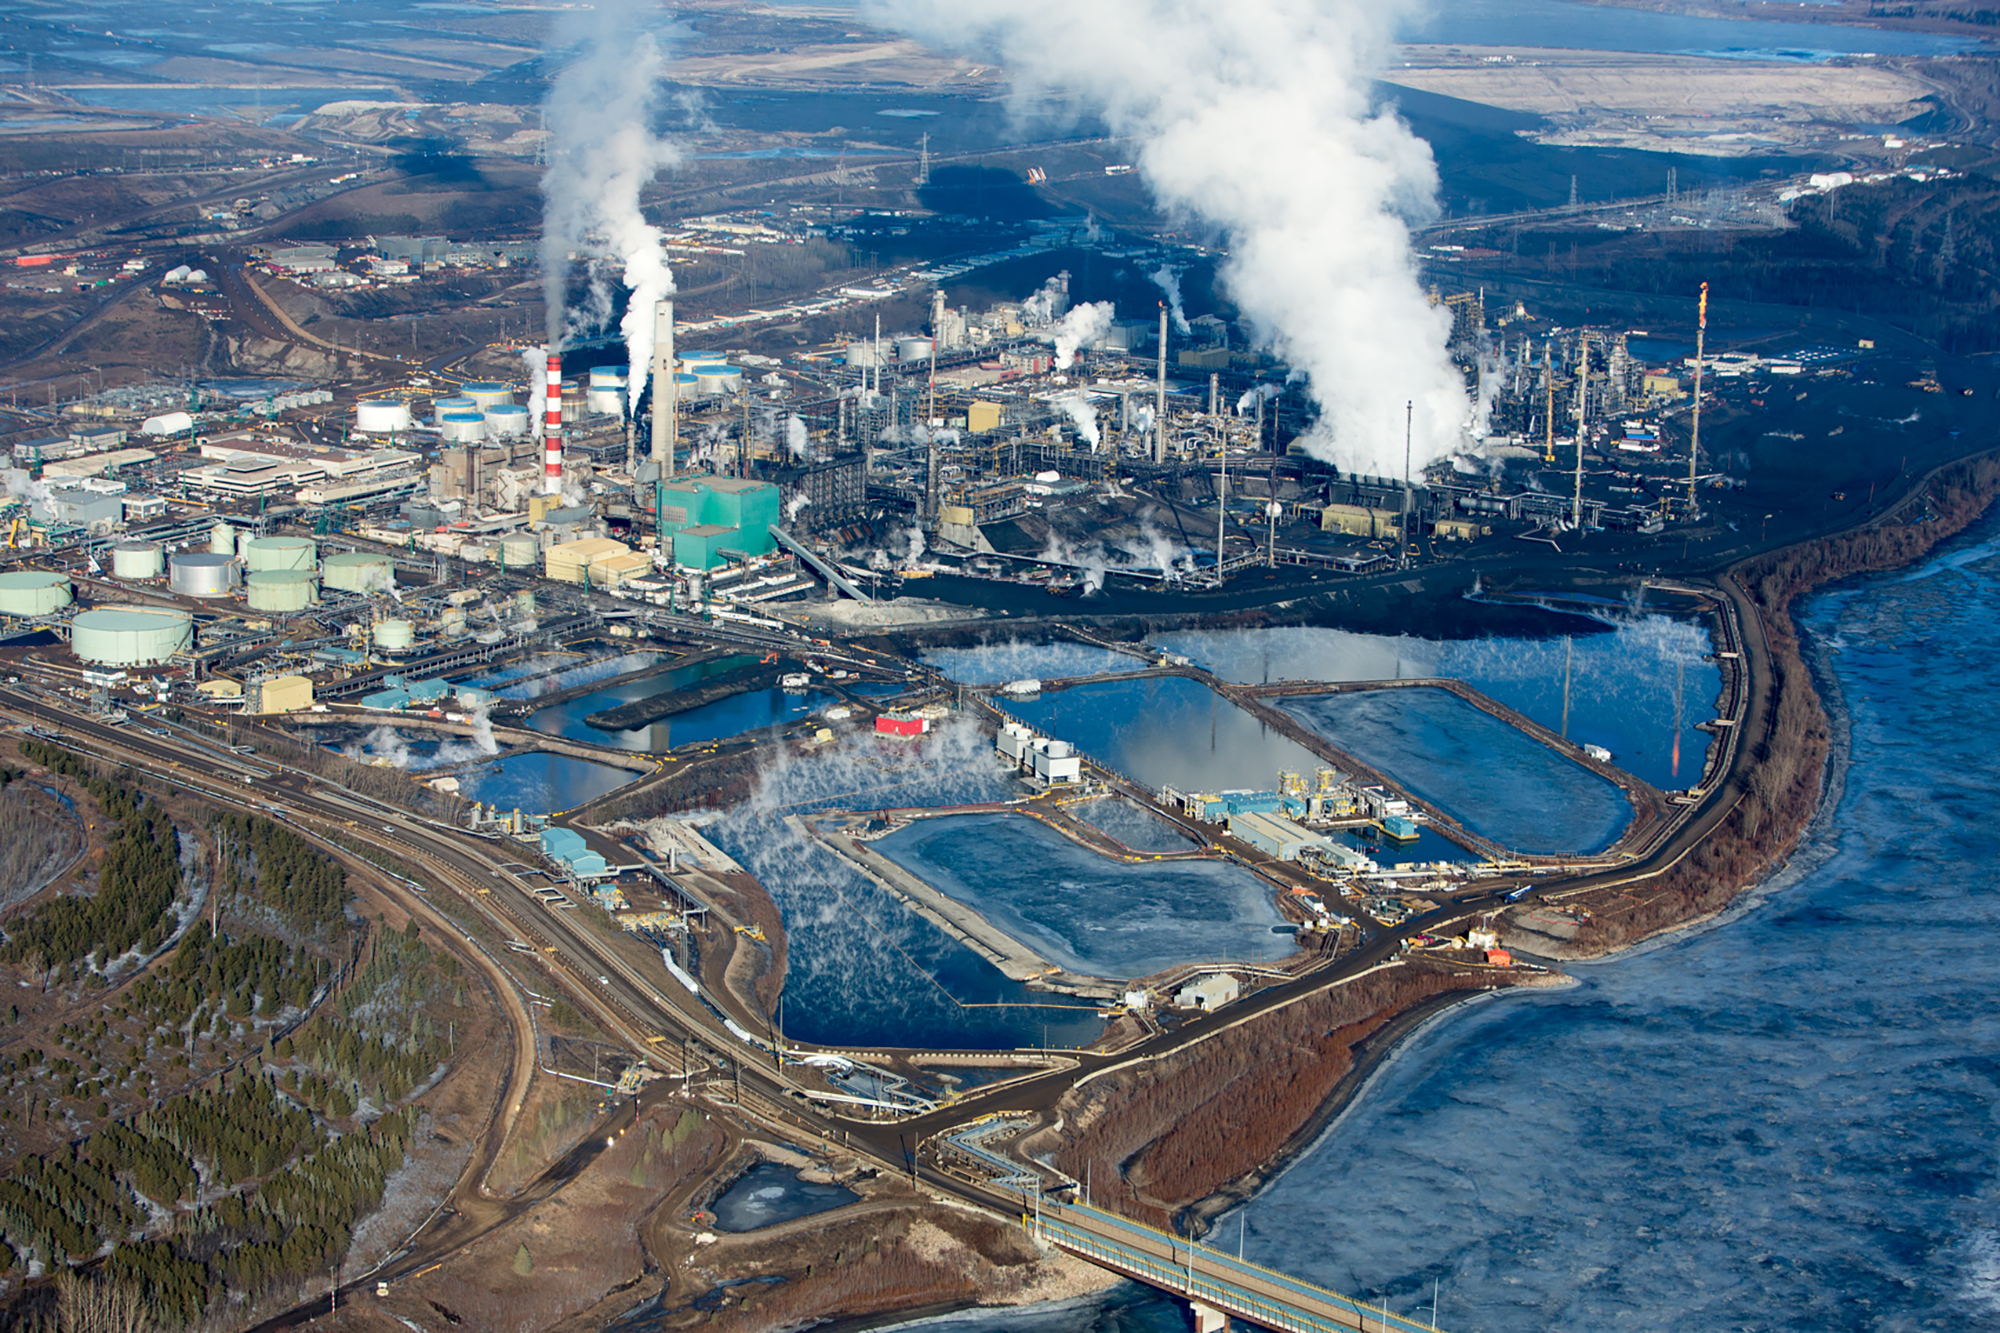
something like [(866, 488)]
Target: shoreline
[(1793, 664)]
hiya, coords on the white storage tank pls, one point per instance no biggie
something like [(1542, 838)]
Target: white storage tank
[(462, 427), (280, 590), (690, 360), (913, 349), (608, 391), (266, 553), (129, 637), (222, 539), (381, 416), (34, 592), (202, 574), (138, 560), (394, 636), (357, 571), (711, 380), (457, 402), (520, 552), (509, 420), (485, 394)]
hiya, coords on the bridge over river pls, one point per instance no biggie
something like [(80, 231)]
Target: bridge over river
[(1217, 1286)]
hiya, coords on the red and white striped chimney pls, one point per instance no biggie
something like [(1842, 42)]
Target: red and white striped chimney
[(552, 438)]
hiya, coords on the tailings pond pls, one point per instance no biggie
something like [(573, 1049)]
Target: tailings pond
[(739, 713), (1638, 686), (526, 780), (863, 969), (1085, 911), (998, 663), (768, 1194), (1497, 781), (1167, 731)]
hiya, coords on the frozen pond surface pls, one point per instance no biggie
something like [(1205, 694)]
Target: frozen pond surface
[(527, 780), (768, 1194), (1496, 781), (1087, 912), (1167, 731), (1133, 825), (1638, 687)]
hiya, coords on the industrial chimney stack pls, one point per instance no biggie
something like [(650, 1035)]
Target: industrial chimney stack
[(552, 434), (666, 395)]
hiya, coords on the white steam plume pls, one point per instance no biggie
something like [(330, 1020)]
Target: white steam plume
[(1169, 282), (602, 153), (1255, 118), (1083, 325), (1248, 402), (1076, 406)]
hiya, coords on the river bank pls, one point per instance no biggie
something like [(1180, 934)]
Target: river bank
[(1780, 789)]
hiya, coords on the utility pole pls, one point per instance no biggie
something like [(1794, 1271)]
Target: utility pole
[(1694, 445), (1403, 528), (1582, 414)]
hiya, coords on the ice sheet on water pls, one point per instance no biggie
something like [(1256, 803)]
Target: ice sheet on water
[(998, 663), (1085, 911)]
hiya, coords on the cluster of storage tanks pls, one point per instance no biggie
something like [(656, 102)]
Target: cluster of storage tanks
[(277, 575), (122, 637), (480, 410)]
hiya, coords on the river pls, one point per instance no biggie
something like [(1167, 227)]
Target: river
[(1783, 1121)]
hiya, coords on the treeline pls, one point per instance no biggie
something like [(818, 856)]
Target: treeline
[(390, 1033), (278, 1197), (250, 976), (264, 859), (137, 885)]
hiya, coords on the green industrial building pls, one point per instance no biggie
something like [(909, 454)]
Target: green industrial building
[(705, 516)]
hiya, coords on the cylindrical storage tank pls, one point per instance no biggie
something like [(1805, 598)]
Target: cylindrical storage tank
[(485, 394), (381, 416), (130, 637), (519, 552), (686, 387), (508, 419), (463, 427), (202, 574), (33, 592), (222, 539), (457, 402), (605, 402), (524, 603), (243, 539), (913, 349), (394, 636), (138, 560), (718, 379), (357, 571), (689, 360), (280, 590), (266, 553), (609, 377)]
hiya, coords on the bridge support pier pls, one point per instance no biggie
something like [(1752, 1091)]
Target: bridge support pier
[(1207, 1319)]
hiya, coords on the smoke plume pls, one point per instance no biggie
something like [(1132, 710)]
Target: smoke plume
[(601, 153), (1255, 118), (1083, 325), (1169, 282), (1076, 406)]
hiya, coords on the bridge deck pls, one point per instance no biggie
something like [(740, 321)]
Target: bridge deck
[(1237, 1288)]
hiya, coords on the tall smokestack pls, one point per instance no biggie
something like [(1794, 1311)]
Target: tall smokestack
[(1160, 397), (552, 432), (666, 395)]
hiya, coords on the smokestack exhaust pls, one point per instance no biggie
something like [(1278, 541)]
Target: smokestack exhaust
[(552, 432)]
